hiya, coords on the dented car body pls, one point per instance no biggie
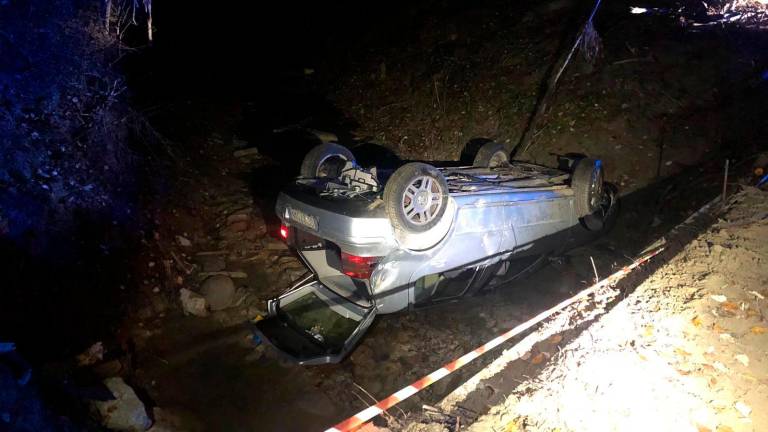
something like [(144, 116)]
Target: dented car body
[(498, 223)]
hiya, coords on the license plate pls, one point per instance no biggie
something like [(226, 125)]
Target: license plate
[(302, 218)]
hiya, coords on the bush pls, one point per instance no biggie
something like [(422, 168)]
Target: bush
[(64, 121)]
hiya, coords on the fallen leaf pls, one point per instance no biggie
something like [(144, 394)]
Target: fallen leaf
[(742, 358), (702, 428), (730, 306), (716, 327), (555, 339), (749, 377), (648, 331), (759, 329), (511, 427), (712, 381), (696, 321), (723, 428), (538, 358), (742, 408), (718, 298), (681, 352)]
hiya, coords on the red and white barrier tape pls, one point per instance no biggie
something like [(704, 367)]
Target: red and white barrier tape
[(363, 416)]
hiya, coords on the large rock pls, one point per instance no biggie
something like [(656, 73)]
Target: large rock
[(218, 291), (193, 303), (126, 412)]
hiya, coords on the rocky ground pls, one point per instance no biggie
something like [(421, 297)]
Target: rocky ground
[(215, 264), (216, 261)]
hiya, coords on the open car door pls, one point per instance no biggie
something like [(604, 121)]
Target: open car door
[(315, 325)]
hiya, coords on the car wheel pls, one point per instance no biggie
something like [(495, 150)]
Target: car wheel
[(491, 155), (326, 161), (604, 217), (415, 197), (587, 185)]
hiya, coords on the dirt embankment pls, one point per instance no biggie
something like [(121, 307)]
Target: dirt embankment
[(658, 99), (685, 351)]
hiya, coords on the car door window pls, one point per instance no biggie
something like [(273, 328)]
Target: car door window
[(443, 286), (425, 288), (516, 267)]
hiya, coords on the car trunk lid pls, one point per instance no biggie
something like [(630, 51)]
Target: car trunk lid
[(314, 324)]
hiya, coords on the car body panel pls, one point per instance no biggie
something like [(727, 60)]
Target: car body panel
[(360, 234)]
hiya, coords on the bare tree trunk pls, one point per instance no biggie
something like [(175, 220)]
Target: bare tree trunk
[(541, 102), (148, 9), (107, 13)]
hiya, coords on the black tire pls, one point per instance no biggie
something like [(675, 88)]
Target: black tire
[(491, 155), (326, 161), (604, 218), (415, 197), (587, 185)]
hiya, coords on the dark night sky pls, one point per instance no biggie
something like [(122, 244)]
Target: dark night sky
[(244, 38), (244, 45)]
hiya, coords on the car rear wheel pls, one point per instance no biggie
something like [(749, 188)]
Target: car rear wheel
[(587, 185), (491, 155), (326, 161), (415, 197)]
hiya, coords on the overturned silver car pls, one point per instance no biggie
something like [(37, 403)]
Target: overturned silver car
[(380, 242)]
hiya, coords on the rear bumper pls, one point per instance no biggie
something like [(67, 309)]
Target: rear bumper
[(353, 231)]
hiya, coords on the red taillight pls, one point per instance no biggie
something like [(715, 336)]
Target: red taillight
[(356, 266), (284, 232)]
